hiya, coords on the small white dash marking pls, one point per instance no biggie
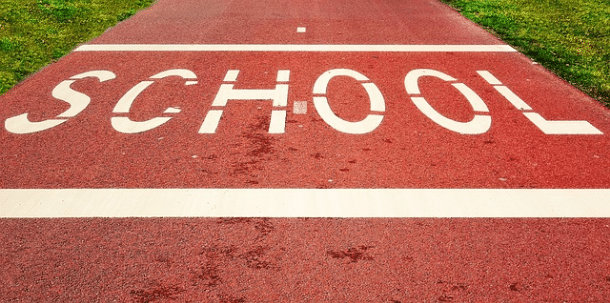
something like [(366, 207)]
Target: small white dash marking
[(190, 83), (300, 107), (301, 29)]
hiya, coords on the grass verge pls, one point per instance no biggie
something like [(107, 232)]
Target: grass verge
[(34, 33), (569, 37)]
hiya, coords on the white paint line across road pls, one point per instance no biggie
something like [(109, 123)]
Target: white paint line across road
[(289, 48), (344, 203)]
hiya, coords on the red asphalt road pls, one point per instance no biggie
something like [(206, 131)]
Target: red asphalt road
[(305, 260), (252, 260)]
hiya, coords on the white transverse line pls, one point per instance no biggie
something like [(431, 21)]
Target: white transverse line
[(345, 203), (289, 48)]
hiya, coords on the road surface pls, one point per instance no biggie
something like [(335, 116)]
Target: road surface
[(265, 151)]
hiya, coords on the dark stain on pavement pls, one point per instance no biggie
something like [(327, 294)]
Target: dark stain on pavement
[(451, 290), (264, 227), (227, 221), (260, 142), (516, 286), (318, 156), (354, 254), (158, 293), (258, 146), (445, 298), (255, 258), (230, 299), (209, 275)]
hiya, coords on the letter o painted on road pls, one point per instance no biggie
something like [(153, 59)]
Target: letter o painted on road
[(478, 125), (368, 124)]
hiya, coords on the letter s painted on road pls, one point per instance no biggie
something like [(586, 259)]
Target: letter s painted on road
[(78, 102)]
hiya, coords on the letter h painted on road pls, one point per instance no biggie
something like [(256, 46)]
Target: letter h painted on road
[(226, 92)]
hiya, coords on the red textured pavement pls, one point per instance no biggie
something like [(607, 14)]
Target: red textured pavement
[(288, 260), (274, 22), (305, 260)]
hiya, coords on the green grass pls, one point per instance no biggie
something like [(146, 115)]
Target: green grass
[(34, 33), (569, 37)]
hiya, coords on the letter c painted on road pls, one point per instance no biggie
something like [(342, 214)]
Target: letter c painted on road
[(128, 126)]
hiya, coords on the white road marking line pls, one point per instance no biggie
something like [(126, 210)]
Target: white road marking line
[(301, 29), (289, 48), (346, 203)]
